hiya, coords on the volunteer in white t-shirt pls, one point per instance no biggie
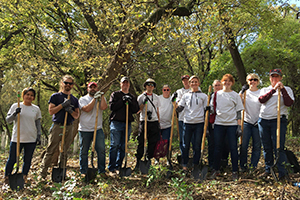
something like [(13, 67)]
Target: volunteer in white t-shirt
[(88, 107), (267, 122), (228, 110), (194, 103), (30, 131), (252, 107)]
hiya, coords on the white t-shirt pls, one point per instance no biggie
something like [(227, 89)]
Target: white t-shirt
[(87, 119), (28, 116), (180, 93), (194, 104), (165, 112), (252, 106), (268, 110), (155, 100), (228, 104)]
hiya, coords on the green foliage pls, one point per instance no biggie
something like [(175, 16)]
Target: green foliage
[(183, 190)]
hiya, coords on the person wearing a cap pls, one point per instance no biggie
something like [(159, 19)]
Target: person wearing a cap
[(180, 92), (88, 107), (152, 113), (165, 111), (267, 123), (59, 104), (117, 105)]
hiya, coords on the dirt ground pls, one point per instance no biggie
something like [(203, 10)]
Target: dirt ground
[(155, 185)]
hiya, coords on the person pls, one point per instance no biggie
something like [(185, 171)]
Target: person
[(59, 104), (217, 85), (165, 111), (152, 113), (117, 105), (180, 92), (228, 117), (267, 123), (194, 103), (30, 131), (251, 115), (88, 107)]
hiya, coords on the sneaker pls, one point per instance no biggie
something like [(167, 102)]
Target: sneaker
[(264, 175), (284, 179), (235, 176), (214, 174)]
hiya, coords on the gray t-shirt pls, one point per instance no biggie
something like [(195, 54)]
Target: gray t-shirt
[(155, 100), (165, 112), (252, 106)]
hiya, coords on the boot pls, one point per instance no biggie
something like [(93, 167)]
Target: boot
[(137, 166)]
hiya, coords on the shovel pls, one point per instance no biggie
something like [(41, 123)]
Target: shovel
[(16, 181), (59, 174), (278, 138), (169, 173), (92, 172), (145, 164), (126, 171), (204, 167)]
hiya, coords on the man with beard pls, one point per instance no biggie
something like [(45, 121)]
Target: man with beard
[(88, 106), (59, 104)]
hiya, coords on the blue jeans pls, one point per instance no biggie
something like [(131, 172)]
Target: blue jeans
[(86, 138), (220, 133), (181, 129), (250, 131), (267, 131), (192, 132), (117, 144), (28, 152), (165, 133)]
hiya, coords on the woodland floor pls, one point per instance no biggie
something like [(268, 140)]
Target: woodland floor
[(152, 186)]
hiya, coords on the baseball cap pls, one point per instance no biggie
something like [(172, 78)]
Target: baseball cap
[(124, 78), (276, 71), (92, 83), (185, 76)]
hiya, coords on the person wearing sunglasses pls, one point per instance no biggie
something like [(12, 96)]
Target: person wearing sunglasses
[(59, 104), (267, 123), (152, 112), (251, 115)]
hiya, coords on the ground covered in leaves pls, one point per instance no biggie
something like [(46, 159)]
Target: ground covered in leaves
[(155, 185)]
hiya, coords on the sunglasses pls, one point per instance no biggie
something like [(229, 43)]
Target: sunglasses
[(253, 79), (68, 83), (150, 84), (166, 90), (276, 70)]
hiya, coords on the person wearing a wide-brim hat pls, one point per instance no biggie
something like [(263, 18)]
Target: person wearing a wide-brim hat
[(267, 123), (152, 113)]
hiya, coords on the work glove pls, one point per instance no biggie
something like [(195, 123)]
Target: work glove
[(18, 110), (38, 140), (66, 103), (207, 108), (98, 95), (127, 98), (174, 96), (69, 109), (145, 100), (244, 88), (239, 131)]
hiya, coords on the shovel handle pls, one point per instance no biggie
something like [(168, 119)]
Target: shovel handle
[(126, 131), (278, 119), (206, 120), (18, 130), (64, 131), (172, 128), (95, 128), (243, 117), (145, 130)]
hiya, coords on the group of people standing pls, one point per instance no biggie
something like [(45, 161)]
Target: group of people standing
[(260, 114)]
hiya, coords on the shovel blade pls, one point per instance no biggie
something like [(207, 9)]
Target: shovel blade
[(91, 174), (204, 173), (196, 173), (58, 174), (16, 181), (125, 171), (145, 166)]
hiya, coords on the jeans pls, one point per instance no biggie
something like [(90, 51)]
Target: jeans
[(250, 131), (165, 133), (192, 132), (117, 144), (181, 129), (28, 152), (211, 145), (267, 131), (220, 133), (86, 139)]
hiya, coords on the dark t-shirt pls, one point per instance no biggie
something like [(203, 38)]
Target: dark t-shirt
[(58, 98)]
